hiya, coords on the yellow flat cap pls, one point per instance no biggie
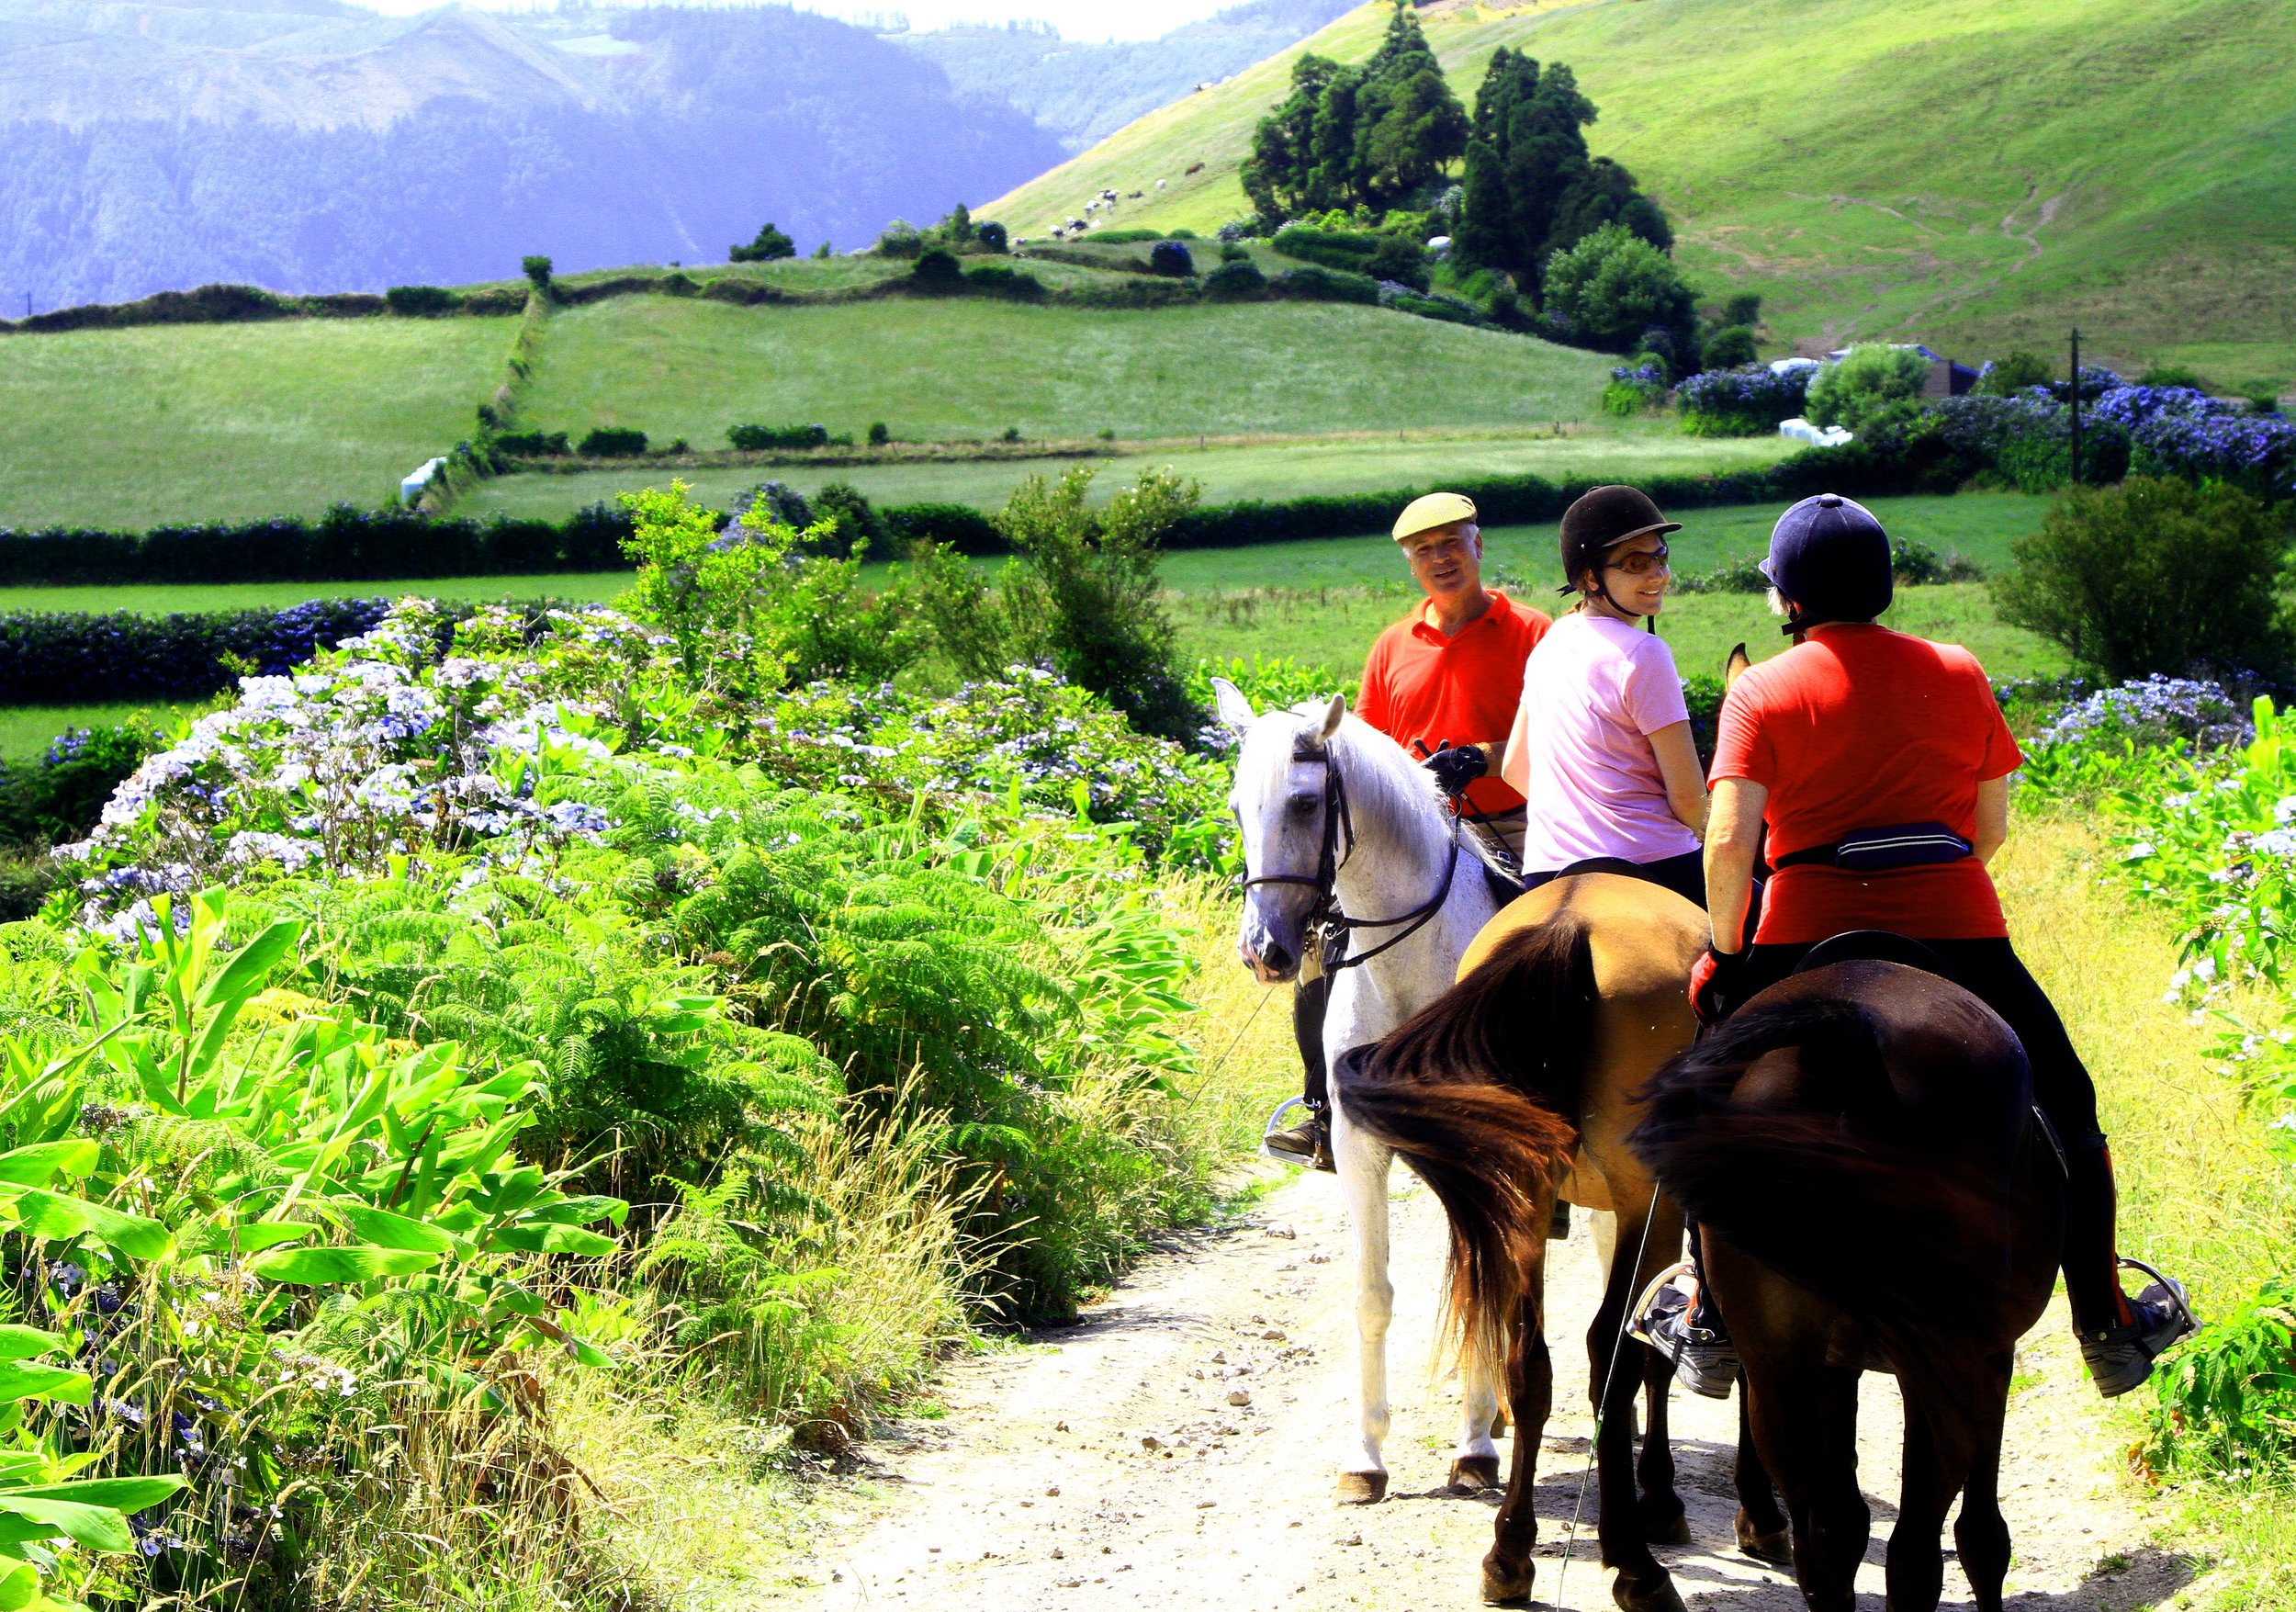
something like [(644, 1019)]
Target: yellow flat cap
[(1437, 509)]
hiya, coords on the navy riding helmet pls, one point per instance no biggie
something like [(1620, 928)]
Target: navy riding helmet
[(1830, 557)]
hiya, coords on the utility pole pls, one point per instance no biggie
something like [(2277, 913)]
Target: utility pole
[(2076, 405)]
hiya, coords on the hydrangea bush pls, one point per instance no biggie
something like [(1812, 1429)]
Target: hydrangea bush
[(1746, 402)]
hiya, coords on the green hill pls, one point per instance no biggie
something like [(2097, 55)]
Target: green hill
[(1975, 174)]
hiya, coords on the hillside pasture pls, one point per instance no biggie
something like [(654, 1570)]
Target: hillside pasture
[(134, 428), (1226, 470), (674, 368), (1974, 175)]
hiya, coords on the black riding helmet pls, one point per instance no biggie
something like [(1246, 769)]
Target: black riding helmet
[(1830, 557), (1600, 520)]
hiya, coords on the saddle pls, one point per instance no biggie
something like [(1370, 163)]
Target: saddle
[(1875, 946)]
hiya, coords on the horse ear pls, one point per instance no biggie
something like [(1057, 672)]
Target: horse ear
[(1736, 666), (1333, 715), (1235, 711)]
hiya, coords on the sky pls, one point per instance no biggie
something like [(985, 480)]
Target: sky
[(1076, 19)]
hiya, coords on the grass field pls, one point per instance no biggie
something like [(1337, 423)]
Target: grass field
[(1973, 173), (674, 367), (133, 428), (1226, 471)]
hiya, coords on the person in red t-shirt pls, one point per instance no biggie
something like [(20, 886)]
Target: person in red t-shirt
[(1443, 682), (1879, 765)]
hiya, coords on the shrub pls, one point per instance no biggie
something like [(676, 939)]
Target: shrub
[(937, 270), (421, 302), (1729, 348), (769, 245), (879, 433), (994, 279), (1236, 280), (2176, 374), (2265, 402), (2155, 576), (536, 268), (900, 239), (1744, 307), (1450, 310), (1748, 402), (750, 439), (1127, 237), (613, 441), (2003, 378), (1635, 391), (1172, 258), (1402, 260), (1323, 285), (532, 443), (63, 795), (1349, 250), (993, 237), (856, 526), (1232, 251), (1613, 285), (1184, 234), (1084, 596), (67, 658), (1867, 379), (2226, 1402)]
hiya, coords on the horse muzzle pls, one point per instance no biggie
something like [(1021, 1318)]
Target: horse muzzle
[(1271, 964)]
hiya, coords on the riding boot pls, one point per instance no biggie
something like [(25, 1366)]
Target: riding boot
[(2120, 1336), (1309, 1142), (2092, 1276)]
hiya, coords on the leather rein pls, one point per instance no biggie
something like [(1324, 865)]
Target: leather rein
[(1339, 844)]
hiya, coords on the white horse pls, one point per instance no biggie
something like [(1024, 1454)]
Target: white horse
[(1323, 797)]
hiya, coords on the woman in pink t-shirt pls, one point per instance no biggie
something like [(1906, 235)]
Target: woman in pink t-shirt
[(1600, 749)]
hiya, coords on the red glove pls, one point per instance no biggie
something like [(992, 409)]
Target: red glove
[(1714, 983)]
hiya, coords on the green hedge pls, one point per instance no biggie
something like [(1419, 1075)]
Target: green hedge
[(227, 304)]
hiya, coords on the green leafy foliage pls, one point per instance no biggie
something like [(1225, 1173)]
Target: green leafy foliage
[(2155, 576), (1868, 377), (769, 245), (2227, 1402), (1611, 286)]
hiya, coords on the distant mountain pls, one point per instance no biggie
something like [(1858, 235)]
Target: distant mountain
[(309, 145), (1085, 91)]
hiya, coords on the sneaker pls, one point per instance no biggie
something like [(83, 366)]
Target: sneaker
[(2120, 1358), (1702, 1357), (1307, 1144)]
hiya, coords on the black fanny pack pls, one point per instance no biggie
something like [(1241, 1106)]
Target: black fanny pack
[(1877, 851)]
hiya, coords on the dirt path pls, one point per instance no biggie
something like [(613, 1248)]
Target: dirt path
[(1109, 1466)]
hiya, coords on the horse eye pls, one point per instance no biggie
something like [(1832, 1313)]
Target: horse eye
[(1300, 805)]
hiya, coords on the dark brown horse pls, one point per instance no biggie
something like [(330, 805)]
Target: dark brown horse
[(1874, 1191), (1517, 1087)]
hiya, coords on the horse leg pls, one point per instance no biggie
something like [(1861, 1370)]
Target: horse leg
[(1664, 1520), (1508, 1569), (1981, 1534), (1804, 1419), (1475, 1459), (1762, 1530), (1928, 1476), (1642, 1584), (1363, 1166)]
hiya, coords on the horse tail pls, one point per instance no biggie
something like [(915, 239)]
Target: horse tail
[(1833, 1182), (1475, 1093)]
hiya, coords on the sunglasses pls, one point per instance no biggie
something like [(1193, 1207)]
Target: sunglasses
[(1642, 564)]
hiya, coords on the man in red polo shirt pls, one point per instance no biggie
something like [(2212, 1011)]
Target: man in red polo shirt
[(1443, 682)]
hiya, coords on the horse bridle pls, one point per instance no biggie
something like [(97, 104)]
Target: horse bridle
[(1339, 844)]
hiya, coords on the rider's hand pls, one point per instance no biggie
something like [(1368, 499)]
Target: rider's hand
[(1456, 766), (1714, 983)]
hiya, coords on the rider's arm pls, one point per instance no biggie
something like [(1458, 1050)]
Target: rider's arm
[(1685, 779), (1992, 818), (1733, 831)]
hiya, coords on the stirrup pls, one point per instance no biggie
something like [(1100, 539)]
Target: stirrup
[(1639, 1318), (2172, 1292), (1276, 1123)]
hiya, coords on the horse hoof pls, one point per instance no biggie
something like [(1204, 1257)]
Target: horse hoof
[(1776, 1548), (1667, 1530), (1507, 1586), (1362, 1488), (1471, 1474), (1658, 1595)]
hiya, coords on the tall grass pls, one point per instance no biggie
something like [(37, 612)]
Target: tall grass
[(2201, 1194)]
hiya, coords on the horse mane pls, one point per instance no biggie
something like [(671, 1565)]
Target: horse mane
[(1384, 780)]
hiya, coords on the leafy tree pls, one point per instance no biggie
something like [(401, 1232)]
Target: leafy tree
[(994, 237), (1613, 287), (879, 433), (537, 269), (1371, 136), (2021, 369), (1532, 188), (1728, 347), (1869, 378), (822, 252), (1171, 257), (956, 230), (1743, 307), (770, 244), (2155, 576)]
